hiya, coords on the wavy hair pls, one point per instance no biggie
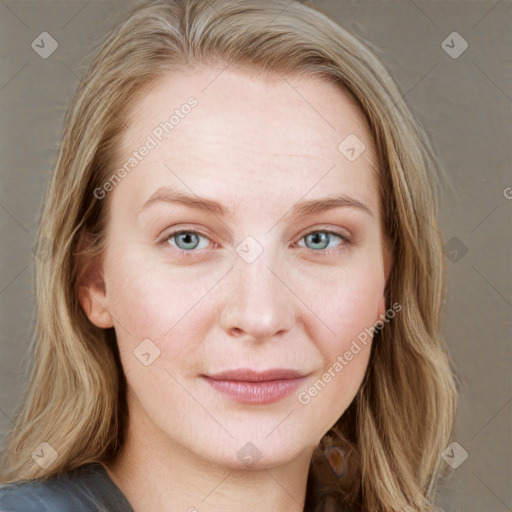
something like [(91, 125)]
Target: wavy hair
[(393, 433)]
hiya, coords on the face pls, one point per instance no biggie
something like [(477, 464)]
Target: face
[(244, 257)]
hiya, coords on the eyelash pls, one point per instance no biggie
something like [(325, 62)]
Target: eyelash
[(345, 240)]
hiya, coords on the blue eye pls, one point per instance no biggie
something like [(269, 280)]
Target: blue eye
[(187, 240), (319, 240)]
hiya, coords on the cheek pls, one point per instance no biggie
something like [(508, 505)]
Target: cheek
[(172, 306), (149, 294), (351, 305), (152, 300), (346, 353), (351, 311)]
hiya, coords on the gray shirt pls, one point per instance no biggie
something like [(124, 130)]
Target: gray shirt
[(86, 489)]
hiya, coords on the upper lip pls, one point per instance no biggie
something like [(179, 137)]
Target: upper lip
[(249, 375)]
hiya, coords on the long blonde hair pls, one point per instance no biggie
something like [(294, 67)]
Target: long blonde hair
[(401, 419)]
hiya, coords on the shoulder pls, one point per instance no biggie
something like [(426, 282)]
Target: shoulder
[(86, 489), (56, 495)]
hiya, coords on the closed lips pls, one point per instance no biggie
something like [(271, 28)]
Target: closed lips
[(255, 387)]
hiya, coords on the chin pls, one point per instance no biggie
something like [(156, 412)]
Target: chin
[(256, 450)]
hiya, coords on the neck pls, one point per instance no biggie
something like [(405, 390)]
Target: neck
[(155, 473)]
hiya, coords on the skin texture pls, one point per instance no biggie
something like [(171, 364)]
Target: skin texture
[(258, 146)]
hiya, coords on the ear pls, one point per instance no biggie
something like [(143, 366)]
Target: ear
[(92, 299), (92, 294)]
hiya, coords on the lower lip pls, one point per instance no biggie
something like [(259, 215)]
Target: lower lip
[(265, 392)]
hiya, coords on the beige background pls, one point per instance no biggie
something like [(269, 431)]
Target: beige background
[(465, 104)]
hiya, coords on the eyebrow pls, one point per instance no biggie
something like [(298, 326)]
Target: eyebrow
[(167, 195)]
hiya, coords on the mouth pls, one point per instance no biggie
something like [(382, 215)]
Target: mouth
[(249, 386)]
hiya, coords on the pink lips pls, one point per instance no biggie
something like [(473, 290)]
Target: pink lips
[(253, 387)]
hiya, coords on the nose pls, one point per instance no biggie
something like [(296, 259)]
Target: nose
[(259, 304)]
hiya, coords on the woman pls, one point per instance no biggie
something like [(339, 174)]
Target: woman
[(240, 307)]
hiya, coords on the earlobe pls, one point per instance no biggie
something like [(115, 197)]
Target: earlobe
[(92, 299)]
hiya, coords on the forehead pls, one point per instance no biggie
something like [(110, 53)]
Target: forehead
[(248, 135)]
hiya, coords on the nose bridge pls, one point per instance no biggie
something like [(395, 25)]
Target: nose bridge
[(255, 278), (258, 303)]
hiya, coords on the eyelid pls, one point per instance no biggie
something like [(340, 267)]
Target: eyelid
[(341, 232), (345, 240), (176, 232)]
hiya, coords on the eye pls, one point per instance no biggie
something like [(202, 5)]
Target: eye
[(187, 240), (321, 240)]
